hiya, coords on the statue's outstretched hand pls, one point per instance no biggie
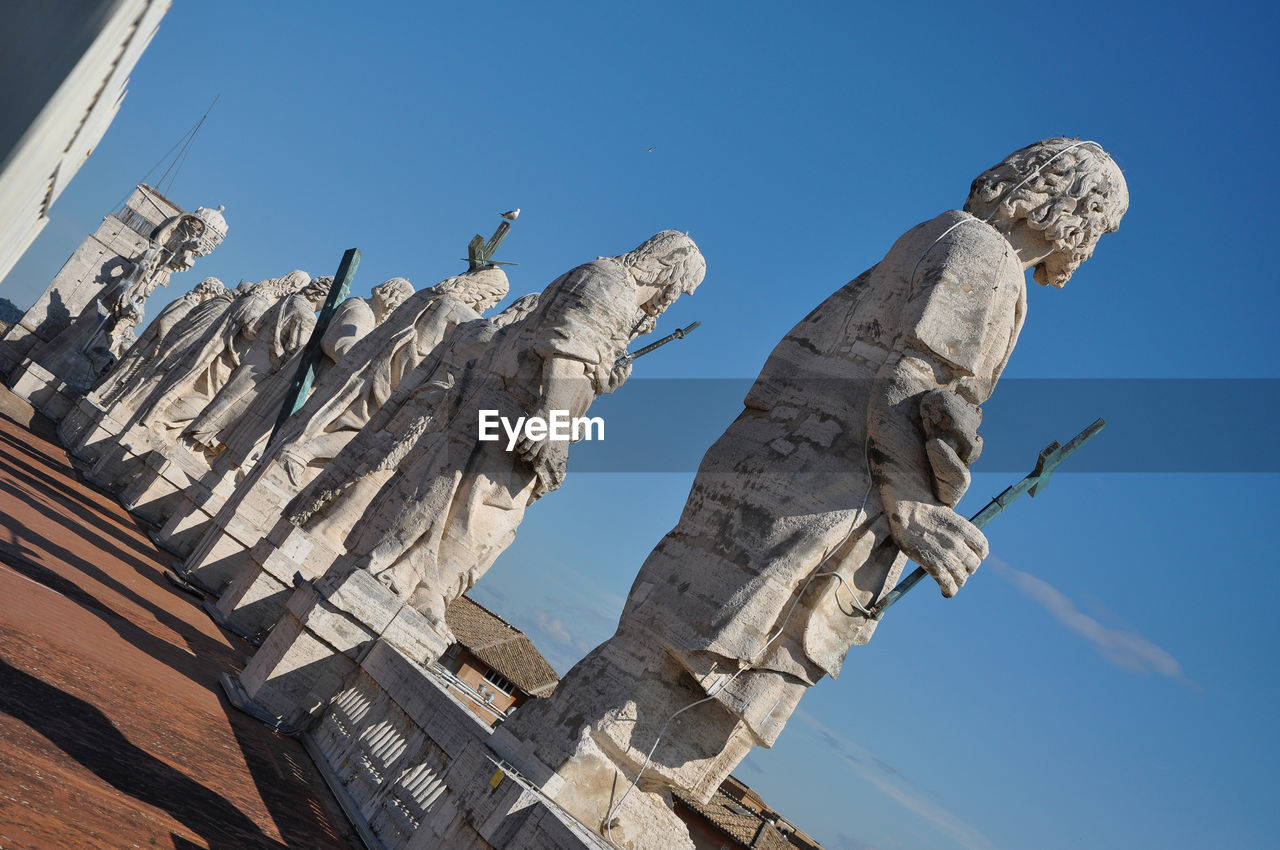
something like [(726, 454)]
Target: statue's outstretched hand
[(618, 375), (531, 450), (940, 540), (294, 467)]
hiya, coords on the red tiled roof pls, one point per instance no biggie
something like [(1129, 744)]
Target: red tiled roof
[(501, 645), (745, 825)]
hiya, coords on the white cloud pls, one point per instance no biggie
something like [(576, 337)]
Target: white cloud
[(554, 628), (895, 785), (1127, 650)]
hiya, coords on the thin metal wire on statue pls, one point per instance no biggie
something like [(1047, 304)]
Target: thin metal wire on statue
[(184, 141), (859, 518), (181, 158)]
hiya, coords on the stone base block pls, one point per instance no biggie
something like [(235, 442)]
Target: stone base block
[(256, 598), (78, 420), (46, 392), (197, 506), (248, 516), (217, 559), (185, 527), (155, 492), (644, 820), (121, 457), (97, 437), (17, 343), (326, 631)]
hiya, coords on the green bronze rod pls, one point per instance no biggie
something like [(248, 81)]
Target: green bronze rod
[(680, 333), (1052, 455), (311, 353)]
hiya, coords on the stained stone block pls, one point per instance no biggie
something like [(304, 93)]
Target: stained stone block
[(97, 436), (194, 512), (46, 392), (326, 631), (256, 597), (96, 262), (78, 420), (155, 491)]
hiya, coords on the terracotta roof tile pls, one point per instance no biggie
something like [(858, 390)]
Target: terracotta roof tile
[(745, 825), (501, 645)]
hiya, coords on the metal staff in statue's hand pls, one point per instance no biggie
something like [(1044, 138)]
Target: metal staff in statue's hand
[(681, 333), (1050, 457)]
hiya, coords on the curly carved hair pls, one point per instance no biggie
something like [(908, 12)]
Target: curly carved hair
[(481, 289), (278, 287), (669, 260), (208, 288), (1071, 191), (397, 289), (316, 288)]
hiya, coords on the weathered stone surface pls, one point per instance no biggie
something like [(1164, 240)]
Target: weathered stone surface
[(207, 363), (412, 765), (806, 509), (282, 330), (327, 630), (345, 396), (240, 434), (231, 435), (451, 502), (103, 329), (348, 396), (124, 394), (96, 263), (131, 366)]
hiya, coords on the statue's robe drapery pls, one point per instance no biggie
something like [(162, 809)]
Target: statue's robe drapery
[(348, 396), (456, 502), (201, 369), (151, 345), (731, 612), (282, 331), (243, 428), (787, 485)]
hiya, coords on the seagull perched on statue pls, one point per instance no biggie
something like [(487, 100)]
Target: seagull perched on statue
[(512, 215)]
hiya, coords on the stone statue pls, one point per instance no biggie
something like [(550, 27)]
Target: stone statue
[(153, 341), (455, 502), (242, 430), (343, 400), (190, 386), (347, 396), (848, 458), (104, 330), (179, 346), (370, 457), (283, 331)]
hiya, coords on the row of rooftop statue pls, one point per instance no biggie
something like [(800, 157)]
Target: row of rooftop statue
[(848, 457)]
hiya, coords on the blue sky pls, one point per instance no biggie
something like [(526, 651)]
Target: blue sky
[(1106, 680)]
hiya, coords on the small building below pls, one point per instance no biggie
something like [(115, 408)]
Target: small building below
[(494, 667)]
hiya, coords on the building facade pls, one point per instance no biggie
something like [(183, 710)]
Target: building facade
[(66, 72)]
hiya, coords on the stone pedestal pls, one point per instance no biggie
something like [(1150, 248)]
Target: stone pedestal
[(120, 458), (100, 260), (327, 630), (257, 596), (155, 490), (45, 390), (89, 441), (411, 767), (194, 512), (644, 819), (78, 420), (246, 518)]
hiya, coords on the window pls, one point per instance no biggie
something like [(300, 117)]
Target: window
[(500, 682)]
